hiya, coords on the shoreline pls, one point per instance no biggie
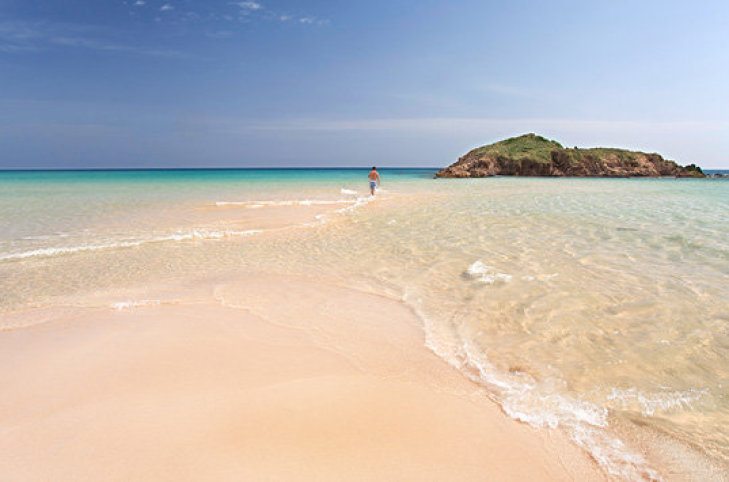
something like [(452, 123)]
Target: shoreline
[(264, 377), (664, 457)]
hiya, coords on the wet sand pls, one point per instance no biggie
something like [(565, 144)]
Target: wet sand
[(256, 378)]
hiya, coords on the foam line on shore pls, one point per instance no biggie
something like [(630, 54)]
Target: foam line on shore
[(128, 305), (301, 202), (196, 234), (524, 399)]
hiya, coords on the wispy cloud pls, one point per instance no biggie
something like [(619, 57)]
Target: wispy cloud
[(250, 5), (244, 11), (313, 21), (18, 37), (111, 47)]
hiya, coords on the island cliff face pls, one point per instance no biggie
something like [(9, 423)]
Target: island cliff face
[(533, 155)]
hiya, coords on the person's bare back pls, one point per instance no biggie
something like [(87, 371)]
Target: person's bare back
[(374, 177)]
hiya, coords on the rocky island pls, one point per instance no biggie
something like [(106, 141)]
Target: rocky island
[(533, 155)]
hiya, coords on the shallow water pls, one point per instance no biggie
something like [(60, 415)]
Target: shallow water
[(599, 306)]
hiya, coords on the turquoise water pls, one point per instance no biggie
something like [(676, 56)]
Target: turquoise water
[(198, 176), (597, 306), (46, 209)]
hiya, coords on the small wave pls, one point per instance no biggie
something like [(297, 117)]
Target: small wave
[(486, 274), (348, 192), (358, 203), (650, 403), (319, 219), (301, 202), (206, 234), (544, 277), (47, 252), (538, 404), (613, 455), (128, 305), (197, 234), (44, 237)]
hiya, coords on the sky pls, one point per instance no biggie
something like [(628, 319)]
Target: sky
[(271, 83)]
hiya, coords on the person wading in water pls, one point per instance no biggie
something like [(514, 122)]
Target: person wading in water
[(374, 180)]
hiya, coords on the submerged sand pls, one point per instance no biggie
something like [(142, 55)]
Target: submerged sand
[(257, 377)]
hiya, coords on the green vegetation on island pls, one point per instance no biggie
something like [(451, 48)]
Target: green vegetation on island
[(533, 155)]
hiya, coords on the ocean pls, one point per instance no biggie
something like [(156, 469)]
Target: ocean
[(596, 306)]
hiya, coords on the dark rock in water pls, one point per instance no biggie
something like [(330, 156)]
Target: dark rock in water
[(533, 155)]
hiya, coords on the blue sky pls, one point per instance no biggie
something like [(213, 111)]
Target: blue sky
[(163, 83)]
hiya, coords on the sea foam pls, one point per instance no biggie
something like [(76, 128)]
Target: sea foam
[(536, 403), (128, 305), (195, 234), (528, 401), (650, 403), (358, 203), (298, 202), (486, 274)]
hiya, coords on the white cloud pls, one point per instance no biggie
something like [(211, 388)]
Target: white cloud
[(166, 7), (310, 20), (250, 5), (93, 44), (140, 3)]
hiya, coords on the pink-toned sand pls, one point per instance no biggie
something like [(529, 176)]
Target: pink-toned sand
[(264, 378)]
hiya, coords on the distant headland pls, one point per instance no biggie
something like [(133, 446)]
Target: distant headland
[(533, 155)]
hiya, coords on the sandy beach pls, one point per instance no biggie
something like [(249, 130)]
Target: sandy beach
[(260, 378)]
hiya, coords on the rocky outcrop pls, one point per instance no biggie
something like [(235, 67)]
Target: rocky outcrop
[(533, 155)]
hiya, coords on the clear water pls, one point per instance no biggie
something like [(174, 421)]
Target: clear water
[(598, 306)]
